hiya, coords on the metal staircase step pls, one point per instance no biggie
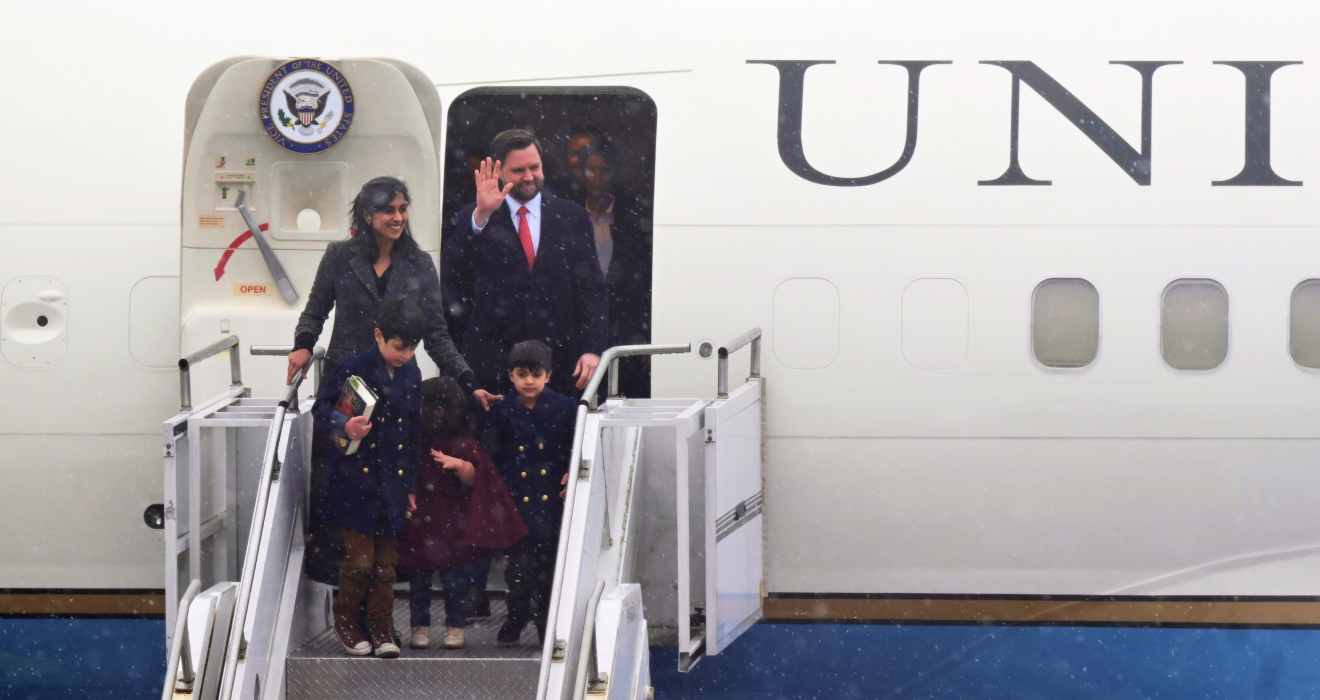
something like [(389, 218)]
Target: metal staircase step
[(320, 669)]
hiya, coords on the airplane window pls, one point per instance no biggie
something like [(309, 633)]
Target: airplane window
[(1065, 323), (599, 151), (1304, 325), (1194, 324)]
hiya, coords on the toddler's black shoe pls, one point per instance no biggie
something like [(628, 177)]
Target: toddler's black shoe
[(509, 634)]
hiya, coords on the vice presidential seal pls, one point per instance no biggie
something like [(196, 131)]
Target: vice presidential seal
[(306, 105)]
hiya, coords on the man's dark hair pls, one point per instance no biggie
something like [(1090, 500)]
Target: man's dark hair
[(401, 318), (513, 140), (444, 392), (530, 355)]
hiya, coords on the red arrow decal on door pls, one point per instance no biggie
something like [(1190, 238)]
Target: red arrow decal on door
[(229, 253)]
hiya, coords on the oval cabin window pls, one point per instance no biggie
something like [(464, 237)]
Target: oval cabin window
[(1194, 324), (1304, 325), (1065, 323)]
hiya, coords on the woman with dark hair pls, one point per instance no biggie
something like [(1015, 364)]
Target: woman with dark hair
[(356, 276), (381, 261)]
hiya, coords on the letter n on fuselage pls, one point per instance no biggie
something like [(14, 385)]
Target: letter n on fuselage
[(1135, 163)]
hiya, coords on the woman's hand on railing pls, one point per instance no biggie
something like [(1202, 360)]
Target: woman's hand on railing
[(298, 360)]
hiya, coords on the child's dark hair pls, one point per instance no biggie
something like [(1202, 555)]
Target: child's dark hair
[(401, 318), (443, 392), (531, 355)]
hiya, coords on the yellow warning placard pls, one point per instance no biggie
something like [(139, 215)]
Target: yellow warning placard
[(211, 221), (252, 289)]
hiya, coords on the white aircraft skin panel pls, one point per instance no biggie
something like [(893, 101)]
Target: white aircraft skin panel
[(1044, 516), (999, 390), (74, 507)]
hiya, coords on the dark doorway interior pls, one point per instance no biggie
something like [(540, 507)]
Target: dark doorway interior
[(599, 152)]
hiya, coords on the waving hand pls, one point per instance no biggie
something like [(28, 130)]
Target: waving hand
[(489, 194)]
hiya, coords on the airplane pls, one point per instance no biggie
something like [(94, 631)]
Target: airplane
[(1039, 308)]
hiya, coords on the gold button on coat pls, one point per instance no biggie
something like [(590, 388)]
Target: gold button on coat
[(373, 445), (401, 447), (520, 448), (526, 499), (400, 472), (365, 470), (408, 514), (430, 487), (545, 498), (542, 472), (524, 475), (427, 519), (541, 446), (400, 420)]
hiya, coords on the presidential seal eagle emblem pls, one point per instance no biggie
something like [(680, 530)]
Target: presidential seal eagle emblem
[(306, 105)]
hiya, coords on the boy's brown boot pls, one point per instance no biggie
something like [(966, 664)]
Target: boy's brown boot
[(385, 640), (351, 636)]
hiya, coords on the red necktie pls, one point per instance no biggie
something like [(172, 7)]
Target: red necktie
[(525, 235)]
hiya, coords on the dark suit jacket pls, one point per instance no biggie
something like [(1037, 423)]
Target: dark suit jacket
[(378, 477), (629, 282), (532, 449), (345, 281), (494, 301)]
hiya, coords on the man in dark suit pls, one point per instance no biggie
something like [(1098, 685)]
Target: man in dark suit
[(522, 265), (622, 229)]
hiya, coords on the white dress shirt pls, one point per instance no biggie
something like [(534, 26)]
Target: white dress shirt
[(533, 218), (604, 239)]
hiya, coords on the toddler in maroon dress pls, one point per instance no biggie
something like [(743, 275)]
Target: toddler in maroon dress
[(463, 511)]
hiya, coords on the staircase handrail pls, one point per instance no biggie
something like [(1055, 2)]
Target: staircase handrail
[(588, 640), (186, 363), (609, 365), (608, 360), (179, 645), (753, 337), (235, 639)]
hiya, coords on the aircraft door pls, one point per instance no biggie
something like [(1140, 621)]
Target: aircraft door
[(275, 151)]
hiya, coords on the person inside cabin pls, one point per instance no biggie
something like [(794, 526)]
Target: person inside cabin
[(622, 229), (464, 511), (370, 487), (380, 262), (530, 436)]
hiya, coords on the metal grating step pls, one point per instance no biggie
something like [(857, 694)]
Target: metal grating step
[(320, 669)]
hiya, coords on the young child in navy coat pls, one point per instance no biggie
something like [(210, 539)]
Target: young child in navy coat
[(530, 436), (369, 492)]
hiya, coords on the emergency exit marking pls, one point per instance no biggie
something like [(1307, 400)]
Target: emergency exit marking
[(248, 289), (210, 221)]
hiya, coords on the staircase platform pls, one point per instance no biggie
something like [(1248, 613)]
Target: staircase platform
[(320, 669)]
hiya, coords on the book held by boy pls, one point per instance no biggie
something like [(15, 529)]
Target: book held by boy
[(356, 399)]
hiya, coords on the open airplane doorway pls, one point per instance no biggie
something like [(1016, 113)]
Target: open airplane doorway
[(599, 152)]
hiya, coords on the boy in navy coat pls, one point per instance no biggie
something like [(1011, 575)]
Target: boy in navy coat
[(370, 492), (530, 436)]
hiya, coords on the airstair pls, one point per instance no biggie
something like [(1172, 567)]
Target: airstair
[(661, 543)]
